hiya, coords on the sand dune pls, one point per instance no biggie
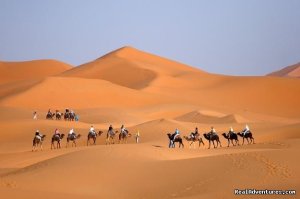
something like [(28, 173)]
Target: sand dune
[(154, 96), (210, 118), (59, 93), (128, 67), (289, 71), (27, 70)]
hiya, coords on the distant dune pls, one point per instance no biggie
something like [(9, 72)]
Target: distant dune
[(289, 71), (210, 117), (129, 78), (128, 67), (28, 70)]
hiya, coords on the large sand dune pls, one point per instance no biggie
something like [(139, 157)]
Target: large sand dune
[(154, 96), (36, 69), (289, 71)]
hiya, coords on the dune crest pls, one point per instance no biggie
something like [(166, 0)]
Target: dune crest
[(129, 67), (28, 70), (210, 117), (289, 71)]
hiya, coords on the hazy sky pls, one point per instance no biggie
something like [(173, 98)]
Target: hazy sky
[(236, 37)]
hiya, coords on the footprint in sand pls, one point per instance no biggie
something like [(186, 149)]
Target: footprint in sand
[(8, 184), (273, 169)]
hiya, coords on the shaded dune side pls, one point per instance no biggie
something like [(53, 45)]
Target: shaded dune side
[(116, 70), (289, 71), (131, 68), (199, 117), (59, 92)]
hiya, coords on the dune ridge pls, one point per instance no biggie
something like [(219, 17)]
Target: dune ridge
[(289, 71), (211, 117), (28, 70)]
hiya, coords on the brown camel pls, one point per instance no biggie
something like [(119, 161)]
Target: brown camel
[(172, 141), (56, 138), (110, 137), (247, 136), (93, 136), (73, 138), (38, 141), (212, 138), (197, 138), (50, 116), (123, 137), (233, 136), (58, 115)]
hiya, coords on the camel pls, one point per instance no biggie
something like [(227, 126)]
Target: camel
[(38, 141), (50, 116), (123, 137), (58, 115), (233, 136), (193, 140), (56, 138), (110, 137), (69, 116), (177, 139), (212, 138), (93, 136), (73, 138), (248, 135)]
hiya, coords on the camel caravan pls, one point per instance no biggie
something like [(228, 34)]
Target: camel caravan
[(68, 115), (111, 136), (72, 137), (212, 137)]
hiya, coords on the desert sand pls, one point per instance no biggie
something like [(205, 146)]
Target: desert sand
[(152, 95)]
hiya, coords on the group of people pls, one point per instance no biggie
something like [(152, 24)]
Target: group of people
[(124, 131), (194, 134), (68, 115), (92, 131), (56, 133)]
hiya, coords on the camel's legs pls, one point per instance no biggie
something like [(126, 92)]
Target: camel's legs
[(247, 140), (232, 143)]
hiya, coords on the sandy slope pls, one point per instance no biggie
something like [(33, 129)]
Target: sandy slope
[(129, 67), (36, 69), (154, 96), (289, 71)]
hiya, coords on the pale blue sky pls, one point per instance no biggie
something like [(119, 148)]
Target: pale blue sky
[(234, 37)]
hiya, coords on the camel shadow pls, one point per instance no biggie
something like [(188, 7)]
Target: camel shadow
[(157, 146)]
